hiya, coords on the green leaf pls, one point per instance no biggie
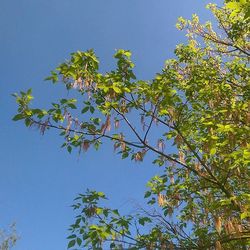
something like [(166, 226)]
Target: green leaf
[(79, 241), (84, 110), (112, 245), (78, 221), (71, 236), (71, 243), (212, 151), (29, 91), (71, 105), (117, 89), (28, 122), (69, 148), (143, 220), (18, 117), (245, 215), (116, 212), (92, 109), (63, 101), (125, 155), (147, 194)]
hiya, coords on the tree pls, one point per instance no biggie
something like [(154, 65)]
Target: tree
[(200, 107)]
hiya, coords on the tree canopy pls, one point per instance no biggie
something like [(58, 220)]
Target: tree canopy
[(199, 108)]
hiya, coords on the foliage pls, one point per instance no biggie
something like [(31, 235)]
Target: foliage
[(8, 239), (199, 106), (239, 7)]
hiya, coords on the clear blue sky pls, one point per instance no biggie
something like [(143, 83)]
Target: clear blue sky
[(38, 179)]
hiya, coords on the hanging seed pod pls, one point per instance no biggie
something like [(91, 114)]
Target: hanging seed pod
[(218, 224), (178, 140), (170, 211), (204, 222), (123, 106), (161, 200), (240, 228), (192, 218), (74, 85), (106, 126), (177, 196), (87, 83), (65, 114), (89, 94), (150, 246), (171, 112), (181, 157), (155, 120), (238, 173), (160, 144), (117, 123), (232, 139), (122, 143), (211, 130), (76, 123), (236, 226), (187, 172), (163, 245), (116, 145), (103, 128), (226, 228), (248, 117), (68, 126), (85, 145), (79, 80), (80, 83), (230, 227), (123, 146), (211, 104), (197, 166), (142, 120), (171, 179), (138, 156), (171, 246), (107, 123), (205, 147), (68, 116), (44, 126), (112, 94), (218, 245), (94, 85), (107, 98)]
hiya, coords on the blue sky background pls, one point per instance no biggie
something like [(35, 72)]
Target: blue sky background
[(38, 179)]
